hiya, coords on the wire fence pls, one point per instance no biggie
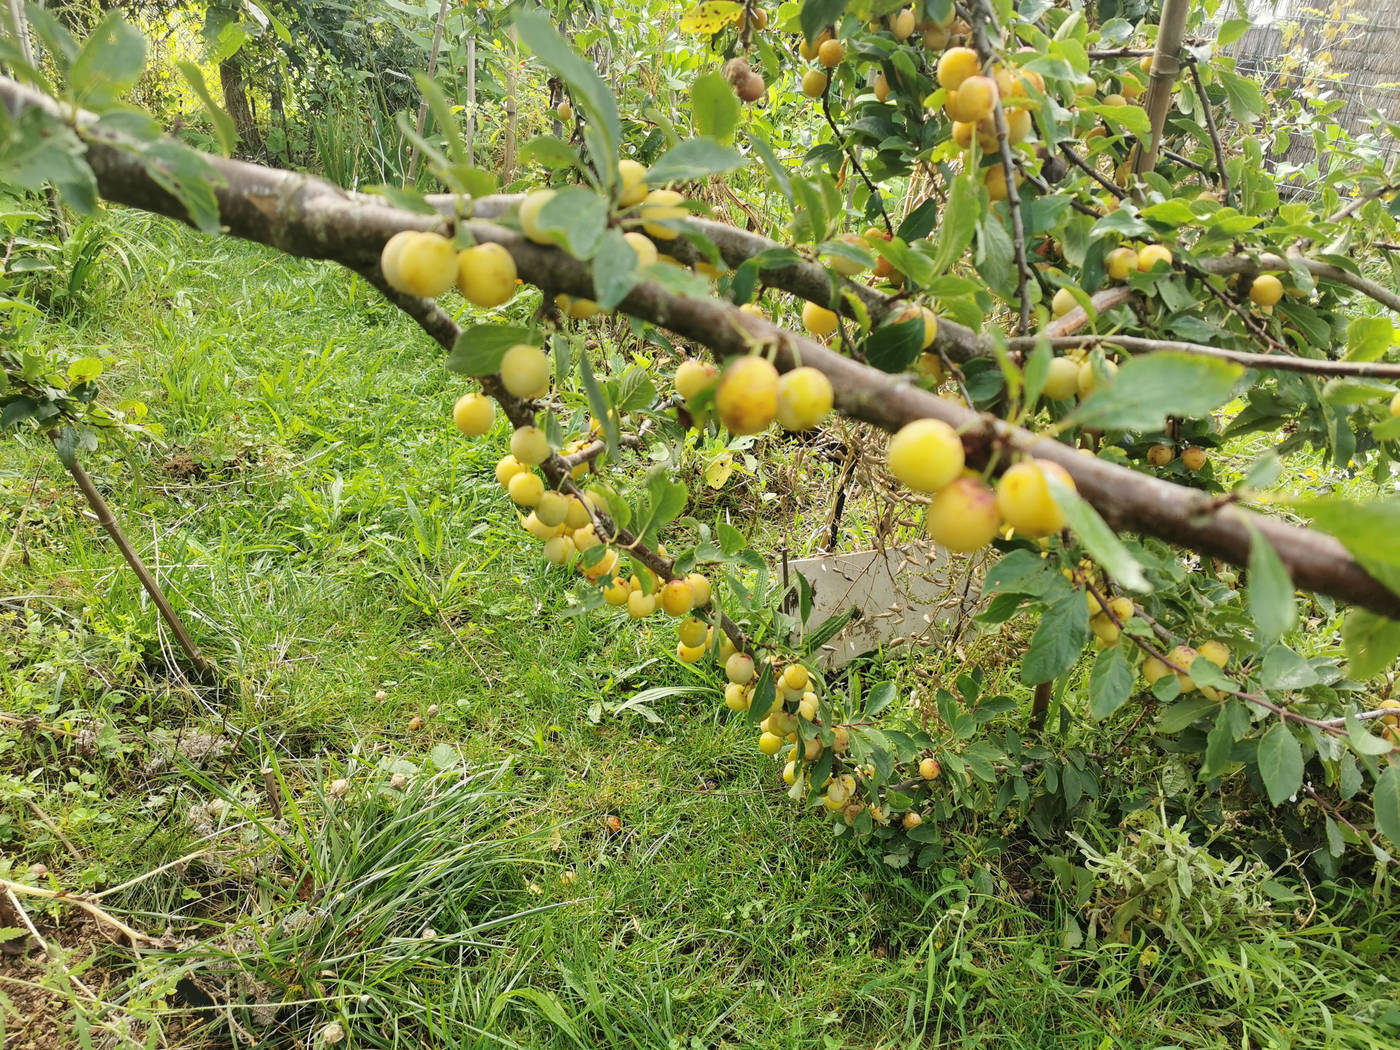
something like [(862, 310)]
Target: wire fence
[(1348, 51)]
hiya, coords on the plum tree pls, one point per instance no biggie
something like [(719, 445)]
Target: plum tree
[(1051, 487)]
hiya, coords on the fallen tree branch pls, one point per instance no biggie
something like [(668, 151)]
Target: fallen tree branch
[(310, 217)]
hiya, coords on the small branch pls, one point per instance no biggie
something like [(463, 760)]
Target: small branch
[(1024, 275), (1269, 262), (1357, 203), (1088, 169), (1065, 326), (1305, 365), (855, 162), (1211, 130), (136, 937)]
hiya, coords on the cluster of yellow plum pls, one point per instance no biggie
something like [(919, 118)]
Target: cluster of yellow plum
[(1076, 374), (1183, 656), (791, 732), (1193, 457), (828, 52), (965, 513), (428, 264), (750, 394)]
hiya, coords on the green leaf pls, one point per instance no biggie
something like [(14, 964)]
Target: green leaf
[(959, 223), (1280, 763), (1231, 30), (1246, 101), (1058, 640), (537, 32), (818, 14), (879, 698), (1372, 642), (600, 406), (894, 347), (1099, 540), (1386, 802), (693, 159), (1132, 119), (224, 127), (1283, 669), (1110, 682), (714, 108), (614, 270), (479, 349), (1368, 338), (1220, 742), (1150, 387), (549, 152), (1183, 713), (575, 218), (1270, 593), (666, 500), (110, 63)]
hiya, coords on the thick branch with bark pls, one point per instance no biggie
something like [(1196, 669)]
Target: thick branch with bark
[(309, 217)]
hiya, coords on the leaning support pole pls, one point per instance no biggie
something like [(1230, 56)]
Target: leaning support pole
[(1166, 64), (108, 521)]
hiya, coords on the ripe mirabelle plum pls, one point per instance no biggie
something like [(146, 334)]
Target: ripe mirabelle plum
[(818, 320), (486, 275), (809, 51), (1023, 497), (585, 538), (736, 697), (424, 265), (530, 215), (694, 377), (925, 455), (578, 516), (1062, 381), (843, 265), (1120, 262), (1160, 455), (929, 769), (1104, 629), (539, 529), (1395, 404), (529, 445), (389, 255), (739, 668), (1089, 376), (578, 309), (1193, 457), (841, 740), (642, 247), (1154, 669), (639, 605), (1063, 302), (804, 398), (814, 82), (770, 743), (525, 371), (692, 631), (1152, 254), (632, 189), (902, 25), (747, 396), (1018, 126), (790, 772), (796, 677), (617, 592), (1114, 99), (1265, 290), (912, 820), (881, 87), (976, 98), (508, 467), (753, 310), (677, 598), (558, 550), (700, 588), (1217, 653), (565, 112), (525, 489), (963, 515), (956, 65), (689, 654), (807, 706), (552, 508), (1183, 656), (994, 178), (657, 206), (831, 53), (473, 414), (838, 792)]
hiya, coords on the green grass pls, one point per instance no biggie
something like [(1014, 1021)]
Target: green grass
[(589, 879)]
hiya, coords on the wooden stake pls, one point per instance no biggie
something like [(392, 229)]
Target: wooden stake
[(1166, 64), (108, 521)]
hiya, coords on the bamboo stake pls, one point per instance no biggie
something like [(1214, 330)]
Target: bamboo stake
[(1166, 64), (415, 156)]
